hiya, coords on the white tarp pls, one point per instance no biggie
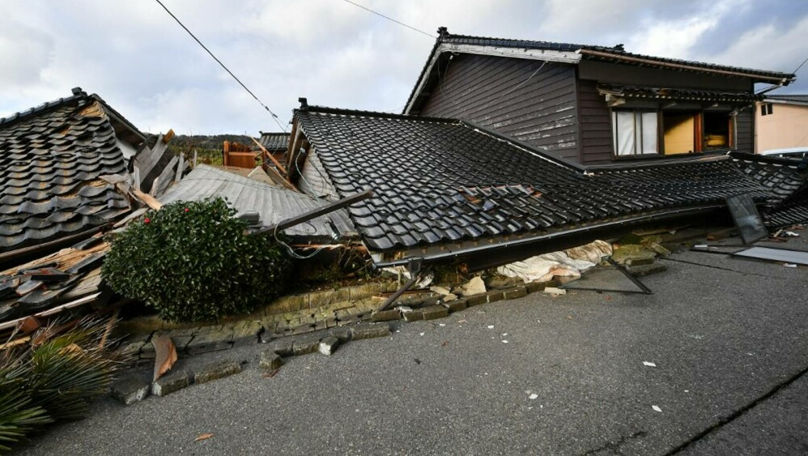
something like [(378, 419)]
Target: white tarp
[(567, 263)]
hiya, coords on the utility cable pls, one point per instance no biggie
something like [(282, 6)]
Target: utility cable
[(274, 116), (431, 36)]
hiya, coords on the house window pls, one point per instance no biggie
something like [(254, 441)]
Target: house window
[(766, 109), (635, 132)]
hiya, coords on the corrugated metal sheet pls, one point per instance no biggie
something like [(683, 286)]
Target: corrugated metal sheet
[(272, 203), (513, 97)]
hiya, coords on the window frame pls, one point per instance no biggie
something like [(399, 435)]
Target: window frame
[(637, 115)]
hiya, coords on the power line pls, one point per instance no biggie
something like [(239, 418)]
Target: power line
[(800, 66), (431, 36), (274, 116)]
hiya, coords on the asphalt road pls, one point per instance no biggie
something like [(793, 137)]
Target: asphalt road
[(536, 375)]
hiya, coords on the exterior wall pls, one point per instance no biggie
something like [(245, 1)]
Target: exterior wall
[(786, 126), (596, 124), (500, 94)]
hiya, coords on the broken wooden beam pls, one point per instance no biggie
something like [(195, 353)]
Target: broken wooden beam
[(274, 160)]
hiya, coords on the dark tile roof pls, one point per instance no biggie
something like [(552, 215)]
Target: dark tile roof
[(442, 180), (603, 53), (787, 182), (786, 178), (274, 141), (51, 158), (793, 98)]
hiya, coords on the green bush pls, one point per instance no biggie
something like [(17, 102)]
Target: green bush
[(192, 261)]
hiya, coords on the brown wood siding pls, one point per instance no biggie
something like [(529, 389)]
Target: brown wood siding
[(595, 122), (744, 122), (495, 93)]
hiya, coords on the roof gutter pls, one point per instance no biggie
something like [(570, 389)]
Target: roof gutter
[(557, 236), (682, 66)]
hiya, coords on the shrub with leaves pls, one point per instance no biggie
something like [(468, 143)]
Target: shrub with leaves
[(192, 261), (54, 377)]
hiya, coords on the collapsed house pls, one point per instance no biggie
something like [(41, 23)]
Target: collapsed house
[(448, 190), (71, 169), (591, 105)]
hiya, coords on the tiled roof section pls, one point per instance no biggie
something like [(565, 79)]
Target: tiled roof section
[(679, 94), (441, 180), (787, 181), (274, 141), (794, 98), (617, 50), (273, 204), (51, 158), (786, 178), (786, 215)]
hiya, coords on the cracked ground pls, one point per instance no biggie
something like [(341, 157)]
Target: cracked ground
[(727, 338)]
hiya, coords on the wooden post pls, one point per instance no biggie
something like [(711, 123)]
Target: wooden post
[(266, 153)]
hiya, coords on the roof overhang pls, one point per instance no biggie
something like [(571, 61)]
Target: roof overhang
[(548, 55), (780, 79)]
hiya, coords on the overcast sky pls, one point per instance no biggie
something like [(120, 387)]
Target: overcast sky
[(141, 62)]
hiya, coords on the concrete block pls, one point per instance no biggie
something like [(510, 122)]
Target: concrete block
[(412, 315), (305, 345), (171, 382), (434, 312), (493, 296), (370, 331), (328, 345), (456, 305), (646, 269), (386, 315), (476, 300), (269, 360), (283, 347), (515, 292), (131, 389), (342, 333), (217, 370)]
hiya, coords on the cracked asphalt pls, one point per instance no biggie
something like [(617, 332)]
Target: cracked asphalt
[(727, 338)]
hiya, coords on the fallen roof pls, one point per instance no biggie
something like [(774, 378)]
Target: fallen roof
[(272, 203), (51, 161), (572, 53), (444, 180), (787, 182), (274, 140)]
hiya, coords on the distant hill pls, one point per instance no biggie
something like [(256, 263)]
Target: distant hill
[(205, 142), (208, 147)]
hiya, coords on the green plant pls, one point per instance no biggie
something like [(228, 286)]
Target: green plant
[(53, 378), (18, 416), (192, 261)]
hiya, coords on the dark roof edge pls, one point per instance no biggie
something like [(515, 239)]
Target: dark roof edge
[(441, 30), (78, 94), (363, 113), (766, 159), (522, 145), (528, 241)]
